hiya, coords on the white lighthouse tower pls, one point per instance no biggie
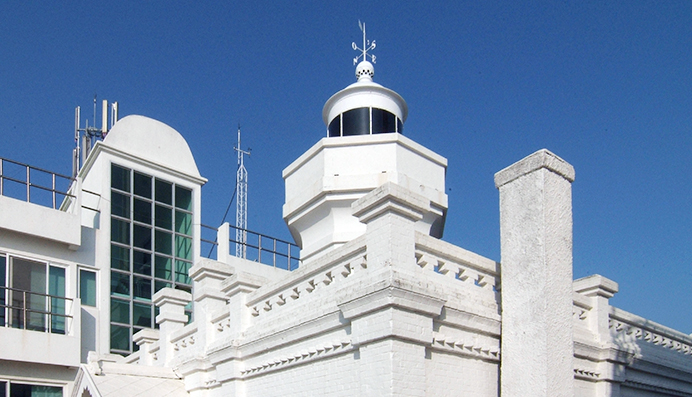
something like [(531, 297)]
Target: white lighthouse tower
[(364, 148)]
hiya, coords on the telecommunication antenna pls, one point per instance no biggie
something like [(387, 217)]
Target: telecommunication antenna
[(90, 134), (241, 202)]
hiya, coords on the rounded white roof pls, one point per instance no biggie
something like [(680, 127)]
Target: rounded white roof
[(152, 140), (364, 93)]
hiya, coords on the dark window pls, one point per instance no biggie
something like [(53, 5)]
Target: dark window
[(141, 314), (120, 231), (120, 178), (120, 257), (383, 121), (120, 284), (183, 198), (120, 205), (356, 122), (142, 211), (142, 237), (142, 185), (120, 338), (164, 192), (163, 216), (335, 126), (399, 126), (141, 262), (120, 311)]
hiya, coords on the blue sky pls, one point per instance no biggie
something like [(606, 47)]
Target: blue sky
[(605, 85)]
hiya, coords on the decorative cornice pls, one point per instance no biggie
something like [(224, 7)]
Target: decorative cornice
[(304, 356), (585, 374), (465, 348), (641, 333)]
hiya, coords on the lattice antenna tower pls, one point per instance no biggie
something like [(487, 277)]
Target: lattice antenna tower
[(241, 202)]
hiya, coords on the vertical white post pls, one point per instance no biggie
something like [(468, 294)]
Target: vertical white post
[(104, 117), (536, 249), (223, 238)]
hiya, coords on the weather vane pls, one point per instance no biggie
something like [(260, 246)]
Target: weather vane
[(367, 46)]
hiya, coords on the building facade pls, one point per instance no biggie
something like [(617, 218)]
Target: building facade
[(105, 292)]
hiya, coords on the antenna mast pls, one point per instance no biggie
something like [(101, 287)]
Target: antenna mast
[(91, 134), (241, 203)]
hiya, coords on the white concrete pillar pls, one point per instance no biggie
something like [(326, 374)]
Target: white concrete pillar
[(223, 234), (536, 276), (237, 288), (600, 290), (390, 213), (145, 339), (172, 317)]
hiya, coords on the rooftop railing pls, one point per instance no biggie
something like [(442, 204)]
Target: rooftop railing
[(32, 184), (34, 311), (258, 247)]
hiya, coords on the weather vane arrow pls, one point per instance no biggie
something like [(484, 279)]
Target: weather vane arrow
[(367, 46)]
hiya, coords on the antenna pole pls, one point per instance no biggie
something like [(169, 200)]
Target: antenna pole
[(75, 151), (241, 203)]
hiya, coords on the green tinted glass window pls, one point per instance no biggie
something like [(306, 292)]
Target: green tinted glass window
[(120, 257), (183, 247), (164, 242), (164, 268), (164, 217), (142, 185), (142, 212), (141, 287), (182, 270), (160, 285), (120, 178), (141, 262), (120, 284), (120, 204), (183, 223), (120, 311), (87, 287), (183, 198), (142, 237), (120, 231), (141, 314), (164, 192), (120, 338)]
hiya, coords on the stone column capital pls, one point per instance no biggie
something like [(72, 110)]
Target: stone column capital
[(390, 198), (533, 162)]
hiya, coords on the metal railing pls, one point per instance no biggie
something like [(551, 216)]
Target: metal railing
[(34, 311), (259, 247), (207, 245), (34, 185)]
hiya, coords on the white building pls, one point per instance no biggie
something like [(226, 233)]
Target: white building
[(379, 306)]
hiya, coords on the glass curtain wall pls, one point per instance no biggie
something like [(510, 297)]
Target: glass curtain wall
[(151, 248)]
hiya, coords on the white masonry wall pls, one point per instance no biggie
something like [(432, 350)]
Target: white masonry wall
[(396, 312)]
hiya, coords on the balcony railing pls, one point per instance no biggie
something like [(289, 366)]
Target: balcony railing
[(32, 184), (34, 311), (258, 247)]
